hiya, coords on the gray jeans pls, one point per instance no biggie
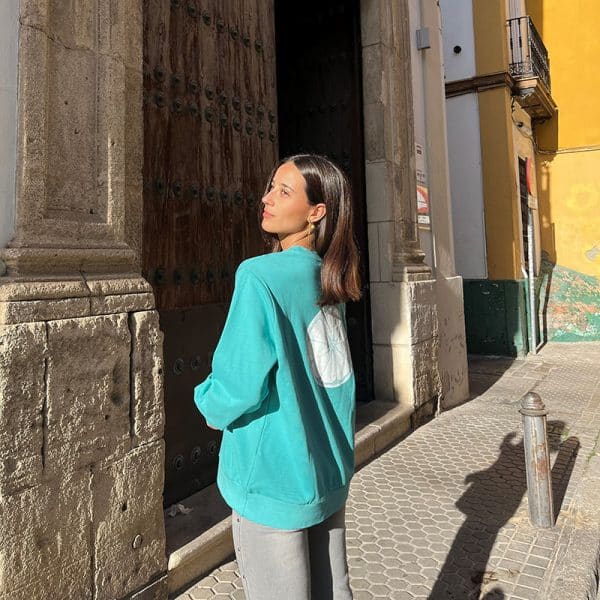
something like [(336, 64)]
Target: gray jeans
[(300, 564)]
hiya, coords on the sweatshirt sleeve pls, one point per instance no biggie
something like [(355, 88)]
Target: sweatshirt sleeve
[(243, 358)]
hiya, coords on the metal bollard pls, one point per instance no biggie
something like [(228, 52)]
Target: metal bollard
[(537, 461)]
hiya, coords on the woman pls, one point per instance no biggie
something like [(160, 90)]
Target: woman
[(282, 389)]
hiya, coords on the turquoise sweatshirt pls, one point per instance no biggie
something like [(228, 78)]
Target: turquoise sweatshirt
[(282, 390)]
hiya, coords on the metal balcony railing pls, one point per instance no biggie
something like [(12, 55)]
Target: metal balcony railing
[(528, 55)]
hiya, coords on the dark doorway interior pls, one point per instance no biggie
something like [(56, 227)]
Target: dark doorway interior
[(319, 97)]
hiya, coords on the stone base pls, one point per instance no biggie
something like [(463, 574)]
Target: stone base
[(405, 342), (159, 590), (454, 370), (81, 439)]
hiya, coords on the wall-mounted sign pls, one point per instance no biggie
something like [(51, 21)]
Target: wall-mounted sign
[(423, 217), (423, 205), (532, 200), (529, 174)]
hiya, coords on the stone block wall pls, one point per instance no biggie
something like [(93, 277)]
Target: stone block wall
[(81, 407), (81, 442), (405, 343)]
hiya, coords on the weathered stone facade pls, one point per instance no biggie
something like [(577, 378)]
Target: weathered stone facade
[(80, 138), (81, 407), (81, 448)]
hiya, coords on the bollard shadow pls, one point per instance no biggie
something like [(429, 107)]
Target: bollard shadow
[(491, 499), (562, 470)]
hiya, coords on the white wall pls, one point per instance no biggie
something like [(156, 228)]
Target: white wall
[(457, 30), (464, 143), (9, 12), (466, 184)]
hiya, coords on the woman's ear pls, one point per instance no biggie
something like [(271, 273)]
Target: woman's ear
[(318, 212)]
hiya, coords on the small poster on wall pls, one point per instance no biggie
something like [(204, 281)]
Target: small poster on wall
[(423, 217)]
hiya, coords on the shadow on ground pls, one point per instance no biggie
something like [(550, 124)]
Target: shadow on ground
[(491, 499), (484, 371)]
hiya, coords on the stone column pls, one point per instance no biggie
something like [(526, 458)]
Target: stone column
[(80, 137), (408, 260), (448, 286), (9, 18), (81, 412), (404, 315)]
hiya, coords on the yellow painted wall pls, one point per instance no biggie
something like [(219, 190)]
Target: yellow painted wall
[(569, 161), (502, 217), (502, 228), (569, 194), (489, 26)]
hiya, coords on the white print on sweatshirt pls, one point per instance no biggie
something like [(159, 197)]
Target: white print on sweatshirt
[(328, 349)]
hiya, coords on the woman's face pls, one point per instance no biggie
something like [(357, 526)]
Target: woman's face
[(286, 206)]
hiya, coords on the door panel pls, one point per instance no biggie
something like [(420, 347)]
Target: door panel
[(211, 136)]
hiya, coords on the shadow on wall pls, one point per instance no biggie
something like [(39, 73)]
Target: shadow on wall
[(568, 300), (569, 304), (547, 145)]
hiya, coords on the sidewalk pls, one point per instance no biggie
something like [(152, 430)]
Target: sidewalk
[(442, 515)]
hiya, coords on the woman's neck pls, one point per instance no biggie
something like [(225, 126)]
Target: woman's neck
[(289, 240)]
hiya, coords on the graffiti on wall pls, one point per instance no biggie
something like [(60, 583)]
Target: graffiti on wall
[(569, 303)]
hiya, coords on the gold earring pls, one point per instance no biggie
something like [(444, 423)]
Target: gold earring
[(311, 227)]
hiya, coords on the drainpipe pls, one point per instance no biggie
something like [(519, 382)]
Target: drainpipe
[(525, 274), (531, 281)]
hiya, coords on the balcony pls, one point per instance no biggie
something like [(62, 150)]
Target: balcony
[(530, 68)]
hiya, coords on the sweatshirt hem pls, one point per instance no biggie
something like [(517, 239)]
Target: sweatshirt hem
[(276, 513)]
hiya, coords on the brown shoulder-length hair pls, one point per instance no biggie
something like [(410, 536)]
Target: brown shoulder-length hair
[(334, 233)]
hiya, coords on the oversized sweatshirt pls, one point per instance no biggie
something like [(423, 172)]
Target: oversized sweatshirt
[(282, 389)]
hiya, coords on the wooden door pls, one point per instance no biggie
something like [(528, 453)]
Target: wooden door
[(210, 132), (319, 87)]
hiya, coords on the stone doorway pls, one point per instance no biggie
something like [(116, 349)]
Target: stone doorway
[(215, 121)]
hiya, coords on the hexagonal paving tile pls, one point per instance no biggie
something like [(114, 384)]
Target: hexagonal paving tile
[(442, 515)]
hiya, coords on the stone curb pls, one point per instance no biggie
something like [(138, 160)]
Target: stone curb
[(200, 556), (204, 553), (575, 573)]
